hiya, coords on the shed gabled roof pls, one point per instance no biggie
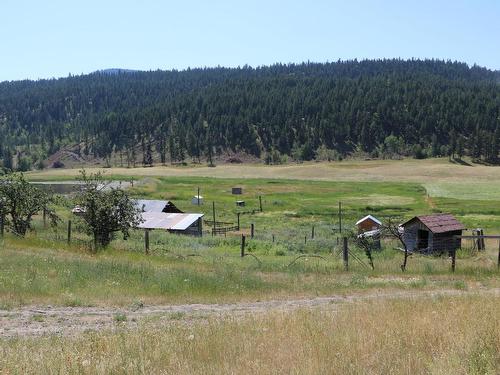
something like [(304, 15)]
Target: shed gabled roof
[(438, 223), (373, 218)]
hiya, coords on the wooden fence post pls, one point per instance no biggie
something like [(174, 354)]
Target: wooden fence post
[(213, 215), (242, 245), (146, 241), (498, 262), (453, 259), (2, 224), (44, 218), (260, 203), (345, 255), (198, 196), (305, 240), (312, 232), (238, 215), (340, 217), (273, 242), (69, 231), (252, 230)]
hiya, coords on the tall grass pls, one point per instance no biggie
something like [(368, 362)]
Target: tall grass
[(446, 335)]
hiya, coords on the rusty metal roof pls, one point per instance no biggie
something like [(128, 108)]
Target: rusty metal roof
[(438, 223)]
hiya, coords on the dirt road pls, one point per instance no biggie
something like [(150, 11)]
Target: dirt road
[(46, 320)]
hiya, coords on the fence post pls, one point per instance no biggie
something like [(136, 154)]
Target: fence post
[(238, 214), (2, 224), (44, 218), (453, 259), (252, 230), (198, 197), (305, 240), (242, 245), (260, 203), (146, 241), (340, 217), (69, 231), (312, 233), (498, 263), (213, 215), (498, 252), (345, 255)]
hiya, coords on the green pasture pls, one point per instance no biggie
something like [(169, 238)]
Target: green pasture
[(44, 268)]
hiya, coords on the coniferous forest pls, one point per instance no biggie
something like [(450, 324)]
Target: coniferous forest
[(327, 111)]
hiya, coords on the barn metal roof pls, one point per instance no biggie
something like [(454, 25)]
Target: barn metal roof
[(439, 223), (168, 221), (153, 205)]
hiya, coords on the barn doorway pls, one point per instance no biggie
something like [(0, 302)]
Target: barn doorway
[(422, 239)]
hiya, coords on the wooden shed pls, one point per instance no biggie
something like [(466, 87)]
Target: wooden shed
[(237, 190), (432, 233), (368, 223)]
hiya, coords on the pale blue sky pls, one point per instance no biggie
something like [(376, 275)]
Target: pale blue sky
[(43, 39)]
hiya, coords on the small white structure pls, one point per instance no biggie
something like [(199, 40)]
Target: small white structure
[(78, 210), (197, 200)]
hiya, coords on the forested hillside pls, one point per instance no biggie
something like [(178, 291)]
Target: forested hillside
[(382, 108)]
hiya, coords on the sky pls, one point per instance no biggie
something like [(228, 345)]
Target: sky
[(54, 38)]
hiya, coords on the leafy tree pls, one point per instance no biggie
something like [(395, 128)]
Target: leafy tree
[(24, 164), (106, 210), (21, 200)]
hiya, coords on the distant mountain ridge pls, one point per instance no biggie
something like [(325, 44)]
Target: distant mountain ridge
[(376, 108), (112, 71)]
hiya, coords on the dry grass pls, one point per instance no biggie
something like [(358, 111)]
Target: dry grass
[(452, 335), (410, 170)]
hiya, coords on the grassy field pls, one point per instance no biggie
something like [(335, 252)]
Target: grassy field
[(43, 268), (442, 335), (35, 272), (445, 335)]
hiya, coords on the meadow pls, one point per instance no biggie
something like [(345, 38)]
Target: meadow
[(405, 335)]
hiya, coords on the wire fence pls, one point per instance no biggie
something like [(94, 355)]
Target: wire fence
[(321, 241)]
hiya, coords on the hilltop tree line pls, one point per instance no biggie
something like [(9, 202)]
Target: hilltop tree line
[(376, 108)]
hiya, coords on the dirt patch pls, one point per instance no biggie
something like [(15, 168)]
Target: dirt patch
[(47, 320)]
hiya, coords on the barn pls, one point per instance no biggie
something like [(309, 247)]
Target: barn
[(368, 223), (152, 205), (180, 223), (434, 233)]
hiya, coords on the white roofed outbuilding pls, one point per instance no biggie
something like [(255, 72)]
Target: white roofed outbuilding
[(368, 223)]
